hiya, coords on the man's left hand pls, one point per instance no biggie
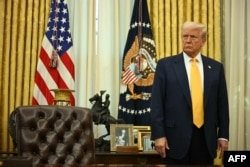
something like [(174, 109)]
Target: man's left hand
[(222, 146)]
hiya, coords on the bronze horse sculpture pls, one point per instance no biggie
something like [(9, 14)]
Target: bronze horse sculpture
[(101, 113)]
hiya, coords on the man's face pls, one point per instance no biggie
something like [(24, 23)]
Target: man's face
[(192, 41)]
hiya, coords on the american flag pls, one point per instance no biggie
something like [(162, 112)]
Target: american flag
[(55, 67), (129, 76)]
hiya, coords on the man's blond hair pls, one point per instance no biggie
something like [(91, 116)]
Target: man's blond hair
[(195, 25)]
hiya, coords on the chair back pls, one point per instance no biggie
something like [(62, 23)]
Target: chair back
[(53, 134)]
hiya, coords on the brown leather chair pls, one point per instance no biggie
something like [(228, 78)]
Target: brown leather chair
[(53, 134)]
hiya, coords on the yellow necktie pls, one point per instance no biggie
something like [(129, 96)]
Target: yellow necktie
[(196, 94)]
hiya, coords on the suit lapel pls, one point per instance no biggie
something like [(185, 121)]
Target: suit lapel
[(208, 75), (181, 74)]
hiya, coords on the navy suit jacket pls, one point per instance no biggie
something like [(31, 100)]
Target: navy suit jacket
[(171, 107)]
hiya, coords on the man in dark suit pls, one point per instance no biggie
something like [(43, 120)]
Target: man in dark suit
[(177, 138)]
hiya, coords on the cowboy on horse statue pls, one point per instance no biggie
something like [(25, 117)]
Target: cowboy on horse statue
[(100, 109), (101, 112)]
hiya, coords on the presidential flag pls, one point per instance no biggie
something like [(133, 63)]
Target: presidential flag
[(55, 67), (139, 63)]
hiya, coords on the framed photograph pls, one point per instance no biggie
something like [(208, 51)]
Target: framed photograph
[(144, 140), (135, 133), (120, 135)]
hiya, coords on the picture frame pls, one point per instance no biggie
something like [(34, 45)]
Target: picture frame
[(120, 135), (144, 141), (135, 133)]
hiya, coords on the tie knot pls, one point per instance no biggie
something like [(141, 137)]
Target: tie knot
[(193, 60)]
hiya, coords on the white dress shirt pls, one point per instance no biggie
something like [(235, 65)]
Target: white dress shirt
[(187, 61)]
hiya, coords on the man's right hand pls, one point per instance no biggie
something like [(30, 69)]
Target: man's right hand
[(161, 144)]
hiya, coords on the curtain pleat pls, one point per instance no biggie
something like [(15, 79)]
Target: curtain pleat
[(218, 28), (5, 73)]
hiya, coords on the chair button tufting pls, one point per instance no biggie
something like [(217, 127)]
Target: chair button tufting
[(53, 134)]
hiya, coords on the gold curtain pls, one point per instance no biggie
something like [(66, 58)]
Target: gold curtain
[(167, 17), (22, 26)]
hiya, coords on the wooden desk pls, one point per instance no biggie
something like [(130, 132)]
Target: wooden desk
[(127, 158), (103, 159), (113, 165)]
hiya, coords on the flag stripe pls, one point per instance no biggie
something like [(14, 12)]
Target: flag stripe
[(64, 73), (41, 91), (45, 71), (68, 63), (129, 77)]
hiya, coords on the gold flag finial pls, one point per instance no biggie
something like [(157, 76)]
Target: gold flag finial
[(62, 97)]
